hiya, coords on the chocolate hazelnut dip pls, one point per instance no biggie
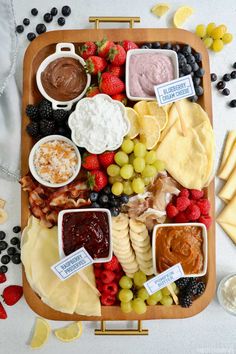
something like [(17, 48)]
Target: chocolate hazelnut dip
[(64, 79)]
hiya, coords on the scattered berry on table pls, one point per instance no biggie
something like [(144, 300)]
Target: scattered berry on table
[(220, 85), (3, 314), (3, 245), (2, 235), (234, 65), (16, 258), (5, 259), (233, 75), (3, 269), (61, 21), (232, 103), (19, 29), (16, 229), (226, 77), (66, 10), (11, 251), (226, 92), (34, 12), (33, 129), (41, 28), (31, 36), (213, 77), (2, 278), (47, 17), (15, 241), (12, 294), (54, 11), (26, 21)]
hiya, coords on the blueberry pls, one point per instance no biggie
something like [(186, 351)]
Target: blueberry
[(190, 59), (176, 48), (16, 229), (213, 77), (19, 29), (200, 72), (34, 12), (3, 269), (31, 36), (107, 190), (41, 28), (16, 258), (3, 245), (226, 92), (180, 56), (54, 11), (195, 66), (93, 196), (226, 77), (187, 69), (167, 46), (233, 75), (181, 74), (66, 10), (15, 241), (232, 103), (115, 202), (234, 65), (147, 46), (5, 259), (95, 205), (192, 74), (156, 45), (198, 57), (196, 80), (114, 211), (2, 235), (199, 90), (193, 98), (186, 50), (220, 85), (61, 21), (26, 21), (124, 199), (103, 199), (47, 17), (11, 251)]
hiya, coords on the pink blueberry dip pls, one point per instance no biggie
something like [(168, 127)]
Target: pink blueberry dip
[(147, 70)]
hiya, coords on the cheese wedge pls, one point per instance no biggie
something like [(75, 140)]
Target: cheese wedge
[(227, 219), (230, 163), (231, 138), (229, 189)]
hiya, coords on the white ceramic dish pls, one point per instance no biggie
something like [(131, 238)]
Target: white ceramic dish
[(219, 293), (170, 53), (32, 166), (60, 241), (205, 246), (62, 50)]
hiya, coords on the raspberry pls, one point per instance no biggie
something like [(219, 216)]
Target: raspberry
[(97, 265), (113, 265), (182, 203), (181, 218), (204, 206), (107, 299), (119, 275), (206, 220), (196, 194), (107, 276), (99, 287), (111, 288), (184, 193), (97, 273), (193, 212), (171, 211)]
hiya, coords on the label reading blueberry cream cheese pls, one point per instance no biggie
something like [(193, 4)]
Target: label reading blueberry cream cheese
[(72, 264), (163, 279), (174, 90)]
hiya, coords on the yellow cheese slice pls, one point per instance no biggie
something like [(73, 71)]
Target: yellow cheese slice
[(230, 230), (231, 138), (230, 164), (227, 219), (229, 189)]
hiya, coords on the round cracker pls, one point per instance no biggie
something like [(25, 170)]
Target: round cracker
[(137, 226)]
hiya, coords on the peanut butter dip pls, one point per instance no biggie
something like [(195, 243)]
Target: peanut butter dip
[(180, 244), (64, 79)]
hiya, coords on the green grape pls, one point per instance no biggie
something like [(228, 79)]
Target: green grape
[(131, 158), (201, 31), (138, 185), (149, 171), (125, 295), (159, 165), (208, 42), (126, 307), (165, 291), (127, 146), (140, 150), (176, 291), (117, 188), (139, 306), (174, 286), (113, 170), (150, 157), (210, 28), (115, 179), (151, 301), (227, 38), (139, 278), (166, 301), (157, 296), (127, 188), (121, 158), (139, 164), (147, 180), (218, 32), (143, 294), (217, 45), (126, 171), (125, 282)]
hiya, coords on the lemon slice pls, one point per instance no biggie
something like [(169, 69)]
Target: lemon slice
[(141, 108), (41, 333), (69, 333), (181, 15), (134, 122), (159, 113), (160, 9), (149, 131)]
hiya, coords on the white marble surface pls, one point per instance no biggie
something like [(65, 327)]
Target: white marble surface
[(213, 330)]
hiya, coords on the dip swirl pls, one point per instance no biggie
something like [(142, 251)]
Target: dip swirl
[(147, 70), (64, 79), (180, 244)]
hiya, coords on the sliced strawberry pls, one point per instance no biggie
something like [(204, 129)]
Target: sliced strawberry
[(90, 161), (120, 97), (12, 294), (107, 158), (97, 180), (87, 49), (3, 314)]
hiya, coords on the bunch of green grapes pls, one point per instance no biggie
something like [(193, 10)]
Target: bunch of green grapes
[(135, 168), (134, 297), (214, 37)]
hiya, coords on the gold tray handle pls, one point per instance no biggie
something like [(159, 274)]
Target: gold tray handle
[(98, 19), (121, 332)]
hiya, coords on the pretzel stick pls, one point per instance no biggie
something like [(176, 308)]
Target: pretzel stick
[(181, 117), (175, 298)]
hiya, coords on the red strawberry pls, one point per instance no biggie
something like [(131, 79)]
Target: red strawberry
[(2, 278), (3, 314), (107, 299), (97, 180), (127, 45), (117, 55), (111, 288), (110, 84), (92, 91), (107, 276), (95, 65), (171, 211), (107, 158), (120, 97), (87, 49), (103, 47), (113, 265), (12, 294), (90, 161), (118, 71)]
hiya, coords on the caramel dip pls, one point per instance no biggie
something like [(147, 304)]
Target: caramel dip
[(180, 244), (64, 79)]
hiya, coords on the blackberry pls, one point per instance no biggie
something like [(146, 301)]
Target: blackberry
[(33, 129), (185, 300), (200, 288), (60, 115), (182, 283), (47, 127), (32, 112), (191, 288), (45, 109)]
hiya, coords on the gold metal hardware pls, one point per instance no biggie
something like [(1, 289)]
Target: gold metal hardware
[(121, 332), (98, 19)]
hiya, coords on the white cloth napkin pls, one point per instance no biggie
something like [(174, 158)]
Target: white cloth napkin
[(10, 107)]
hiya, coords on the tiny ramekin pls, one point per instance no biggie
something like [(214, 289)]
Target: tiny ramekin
[(170, 53), (63, 50), (60, 239), (205, 246), (34, 171), (219, 293)]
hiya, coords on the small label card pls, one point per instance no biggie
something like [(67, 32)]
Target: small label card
[(72, 264), (174, 90), (163, 279)]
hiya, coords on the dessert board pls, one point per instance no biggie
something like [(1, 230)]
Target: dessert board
[(43, 46)]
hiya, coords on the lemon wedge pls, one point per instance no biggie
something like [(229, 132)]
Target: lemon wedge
[(41, 333), (159, 113), (160, 9), (149, 131), (141, 108), (181, 15), (134, 122), (69, 333)]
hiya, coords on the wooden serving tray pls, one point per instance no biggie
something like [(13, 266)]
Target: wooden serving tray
[(37, 51)]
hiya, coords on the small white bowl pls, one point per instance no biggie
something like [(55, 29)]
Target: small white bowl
[(60, 240), (169, 53), (205, 248), (219, 293), (34, 171), (63, 50)]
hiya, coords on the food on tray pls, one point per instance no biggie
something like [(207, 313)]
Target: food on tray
[(181, 15), (41, 333), (160, 9), (69, 333), (95, 64), (228, 163), (214, 37), (228, 191), (88, 229), (179, 244), (98, 124), (110, 84), (87, 50), (39, 252), (64, 79), (227, 293), (196, 150), (226, 219), (189, 289)]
